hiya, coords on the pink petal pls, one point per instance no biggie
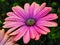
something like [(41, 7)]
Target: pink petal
[(45, 29), (12, 29), (21, 10), (14, 19), (18, 11), (32, 8), (39, 9), (1, 34), (26, 37), (12, 24), (47, 23), (50, 17), (27, 9), (32, 34), (43, 13), (11, 14), (17, 31), (38, 36), (22, 31), (40, 30)]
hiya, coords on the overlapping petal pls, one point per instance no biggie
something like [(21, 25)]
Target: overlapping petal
[(11, 14), (32, 34), (12, 29), (14, 19), (47, 23), (33, 8), (13, 24), (39, 9), (18, 11), (39, 30), (26, 37), (50, 17), (43, 13), (22, 31), (27, 10)]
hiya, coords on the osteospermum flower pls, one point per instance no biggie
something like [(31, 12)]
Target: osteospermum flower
[(30, 22), (5, 39)]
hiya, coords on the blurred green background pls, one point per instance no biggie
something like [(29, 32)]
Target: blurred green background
[(53, 38)]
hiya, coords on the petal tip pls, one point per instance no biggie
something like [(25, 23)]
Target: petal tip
[(26, 42), (8, 13), (34, 3), (3, 26), (56, 24), (56, 16), (44, 4), (49, 8), (26, 3), (13, 7)]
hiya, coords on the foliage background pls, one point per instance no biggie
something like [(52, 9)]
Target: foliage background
[(53, 38)]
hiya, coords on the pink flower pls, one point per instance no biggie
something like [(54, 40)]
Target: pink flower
[(5, 39), (30, 22)]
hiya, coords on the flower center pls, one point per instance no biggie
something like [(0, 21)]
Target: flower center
[(30, 22)]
